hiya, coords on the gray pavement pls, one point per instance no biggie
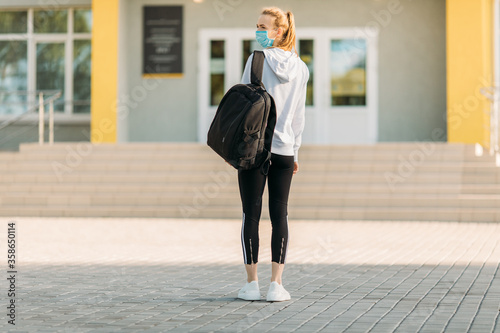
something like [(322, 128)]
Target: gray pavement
[(159, 275)]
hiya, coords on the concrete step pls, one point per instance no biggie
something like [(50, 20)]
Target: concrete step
[(86, 147), (72, 160), (233, 212), (232, 187), (215, 198), (165, 177), (112, 166), (187, 177), (142, 146), (324, 153)]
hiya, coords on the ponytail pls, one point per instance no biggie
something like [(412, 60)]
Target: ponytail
[(288, 41)]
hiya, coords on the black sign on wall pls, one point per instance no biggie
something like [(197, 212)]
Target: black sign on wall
[(162, 41)]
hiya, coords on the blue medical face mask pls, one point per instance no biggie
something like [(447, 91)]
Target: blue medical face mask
[(263, 39)]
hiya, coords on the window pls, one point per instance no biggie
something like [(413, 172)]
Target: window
[(81, 76), (50, 69), (14, 65), (217, 71), (13, 22), (307, 55), (50, 21), (82, 21), (348, 72), (61, 44)]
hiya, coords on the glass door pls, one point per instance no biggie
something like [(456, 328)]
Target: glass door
[(341, 101), (347, 88)]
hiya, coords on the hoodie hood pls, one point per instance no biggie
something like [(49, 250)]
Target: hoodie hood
[(285, 64)]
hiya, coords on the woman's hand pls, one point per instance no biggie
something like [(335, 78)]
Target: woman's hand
[(295, 167)]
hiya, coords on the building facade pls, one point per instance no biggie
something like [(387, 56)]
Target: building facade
[(385, 70)]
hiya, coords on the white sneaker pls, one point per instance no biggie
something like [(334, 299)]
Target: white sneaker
[(250, 291), (277, 293)]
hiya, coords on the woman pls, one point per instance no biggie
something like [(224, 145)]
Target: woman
[(285, 77)]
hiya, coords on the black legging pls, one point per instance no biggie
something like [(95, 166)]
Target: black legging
[(252, 183)]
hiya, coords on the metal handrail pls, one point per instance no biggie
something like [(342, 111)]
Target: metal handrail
[(41, 113)]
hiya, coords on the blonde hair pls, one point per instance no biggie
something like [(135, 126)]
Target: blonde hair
[(285, 21)]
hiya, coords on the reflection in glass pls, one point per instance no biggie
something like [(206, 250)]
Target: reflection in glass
[(81, 76), (82, 20), (13, 76), (50, 70), (217, 71), (248, 47), (49, 21), (348, 72), (13, 22), (307, 55)]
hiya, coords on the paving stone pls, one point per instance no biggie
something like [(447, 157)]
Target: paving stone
[(177, 275)]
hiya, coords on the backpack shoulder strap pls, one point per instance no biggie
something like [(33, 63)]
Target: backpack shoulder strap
[(268, 137), (257, 68)]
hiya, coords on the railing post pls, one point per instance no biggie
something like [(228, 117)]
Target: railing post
[(41, 125), (51, 122), (493, 95), (496, 129)]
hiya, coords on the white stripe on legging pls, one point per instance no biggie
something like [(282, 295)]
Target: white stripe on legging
[(243, 240), (287, 239), (251, 252), (281, 252)]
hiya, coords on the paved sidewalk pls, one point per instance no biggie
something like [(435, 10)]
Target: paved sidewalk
[(159, 275)]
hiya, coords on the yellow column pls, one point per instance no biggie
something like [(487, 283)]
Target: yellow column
[(469, 47), (104, 70)]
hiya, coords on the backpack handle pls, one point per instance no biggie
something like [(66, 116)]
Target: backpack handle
[(257, 68)]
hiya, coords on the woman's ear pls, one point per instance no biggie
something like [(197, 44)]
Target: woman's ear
[(279, 33)]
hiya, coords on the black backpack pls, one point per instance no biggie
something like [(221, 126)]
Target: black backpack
[(242, 129)]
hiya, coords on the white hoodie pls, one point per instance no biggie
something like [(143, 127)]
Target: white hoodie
[(285, 77)]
